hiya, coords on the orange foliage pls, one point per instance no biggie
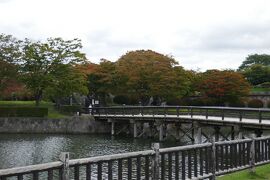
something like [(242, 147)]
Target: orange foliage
[(226, 85)]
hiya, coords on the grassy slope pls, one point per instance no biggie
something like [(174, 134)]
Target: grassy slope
[(52, 112), (262, 172), (258, 89)]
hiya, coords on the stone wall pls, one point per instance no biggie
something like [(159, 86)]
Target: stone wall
[(78, 124)]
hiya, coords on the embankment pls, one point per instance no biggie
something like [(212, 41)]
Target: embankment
[(72, 125)]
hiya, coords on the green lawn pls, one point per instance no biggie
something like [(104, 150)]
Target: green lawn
[(52, 112), (262, 172), (259, 89)]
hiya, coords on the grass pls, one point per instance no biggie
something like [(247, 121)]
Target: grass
[(259, 89), (261, 173), (52, 112)]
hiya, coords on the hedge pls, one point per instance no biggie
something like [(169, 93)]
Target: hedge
[(255, 103), (11, 111), (70, 109)]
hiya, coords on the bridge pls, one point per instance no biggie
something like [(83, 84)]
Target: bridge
[(189, 121)]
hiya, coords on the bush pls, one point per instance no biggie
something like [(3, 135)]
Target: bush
[(174, 102), (255, 103), (23, 111), (264, 85), (239, 103), (70, 109), (121, 99), (268, 104)]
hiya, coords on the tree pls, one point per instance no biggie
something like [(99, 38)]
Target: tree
[(67, 80), (256, 68), (10, 48), (102, 80), (9, 55), (257, 74), (49, 64), (263, 59), (223, 86), (145, 74), (8, 72)]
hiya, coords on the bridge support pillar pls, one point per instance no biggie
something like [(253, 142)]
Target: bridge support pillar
[(232, 133), (240, 133), (135, 133), (112, 126), (217, 132), (258, 132), (161, 133), (160, 125), (197, 132)]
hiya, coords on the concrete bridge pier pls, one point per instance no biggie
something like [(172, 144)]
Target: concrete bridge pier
[(134, 123), (112, 126), (197, 132)]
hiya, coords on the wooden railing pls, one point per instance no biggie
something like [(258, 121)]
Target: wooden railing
[(199, 161), (220, 113)]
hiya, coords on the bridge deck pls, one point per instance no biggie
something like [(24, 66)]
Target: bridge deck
[(264, 124)]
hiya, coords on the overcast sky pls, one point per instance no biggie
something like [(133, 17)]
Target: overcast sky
[(200, 34)]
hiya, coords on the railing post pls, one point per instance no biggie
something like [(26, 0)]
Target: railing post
[(240, 115), (177, 110), (64, 158), (223, 114), (252, 155), (213, 159), (260, 116), (191, 112), (155, 162)]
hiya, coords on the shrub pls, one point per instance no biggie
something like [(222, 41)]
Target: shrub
[(268, 104), (174, 102), (70, 109), (239, 103), (264, 85), (255, 103), (121, 99), (23, 111)]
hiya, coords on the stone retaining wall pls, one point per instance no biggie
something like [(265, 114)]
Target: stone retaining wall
[(78, 124)]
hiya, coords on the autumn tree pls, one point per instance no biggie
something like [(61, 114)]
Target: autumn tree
[(145, 74), (9, 55), (49, 64), (223, 86), (102, 80), (8, 72)]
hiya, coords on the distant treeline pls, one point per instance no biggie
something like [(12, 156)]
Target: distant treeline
[(57, 68)]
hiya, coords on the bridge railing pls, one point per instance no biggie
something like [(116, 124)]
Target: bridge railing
[(221, 113), (199, 161)]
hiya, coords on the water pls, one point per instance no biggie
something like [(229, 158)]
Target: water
[(27, 149)]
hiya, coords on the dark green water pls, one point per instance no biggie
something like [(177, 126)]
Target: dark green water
[(27, 149)]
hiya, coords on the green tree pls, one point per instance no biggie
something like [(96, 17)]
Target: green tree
[(48, 64), (263, 59), (67, 80), (257, 74), (10, 48)]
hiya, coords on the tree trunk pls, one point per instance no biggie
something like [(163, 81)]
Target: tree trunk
[(38, 97)]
